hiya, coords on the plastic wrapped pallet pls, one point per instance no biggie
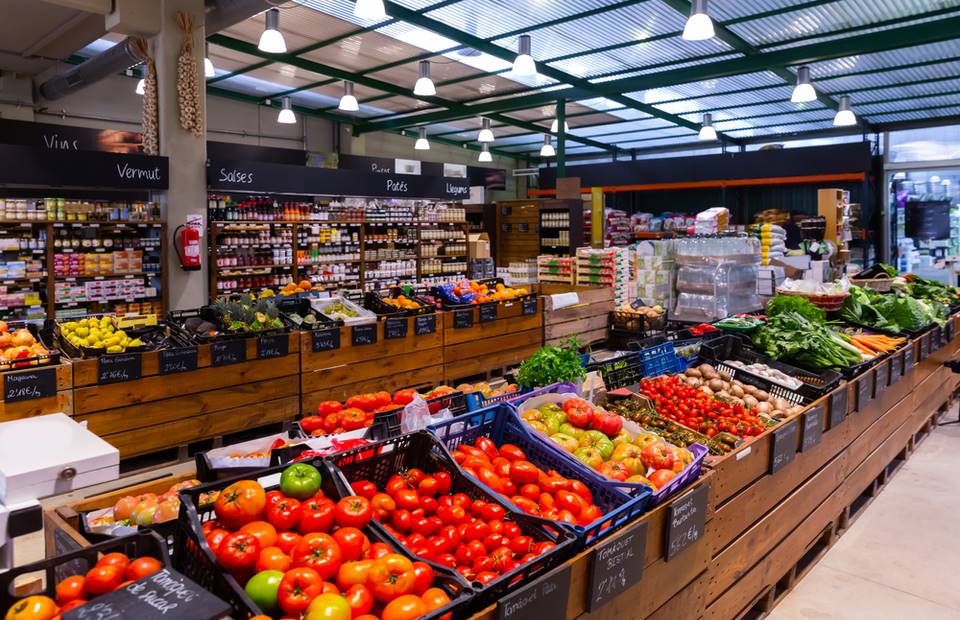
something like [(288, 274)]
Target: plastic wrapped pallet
[(716, 277)]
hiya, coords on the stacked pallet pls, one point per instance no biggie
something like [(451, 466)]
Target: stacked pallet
[(608, 267)]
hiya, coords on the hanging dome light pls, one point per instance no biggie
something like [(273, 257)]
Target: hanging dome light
[(707, 131), (286, 116), (424, 86), (486, 134), (485, 155), (422, 143), (139, 88), (348, 103), (547, 149), (271, 41), (699, 26), (804, 91), (555, 126), (524, 66), (845, 116), (207, 63), (369, 9)]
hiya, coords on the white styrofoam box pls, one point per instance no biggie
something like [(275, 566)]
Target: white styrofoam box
[(49, 455), (363, 315), (798, 262)]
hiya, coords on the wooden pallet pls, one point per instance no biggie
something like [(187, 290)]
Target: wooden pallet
[(588, 321)]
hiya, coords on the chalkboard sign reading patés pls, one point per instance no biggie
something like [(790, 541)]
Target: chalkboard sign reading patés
[(812, 428), (545, 597), (29, 385), (177, 360), (488, 312), (276, 345), (617, 565), (686, 520), (838, 406), (363, 334), (119, 367), (395, 328), (325, 340), (784, 447), (228, 352), (463, 319), (164, 594), (426, 324)]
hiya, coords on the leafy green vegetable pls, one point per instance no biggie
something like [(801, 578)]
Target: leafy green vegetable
[(551, 365), (859, 308), (908, 312), (890, 270), (791, 336), (801, 305)]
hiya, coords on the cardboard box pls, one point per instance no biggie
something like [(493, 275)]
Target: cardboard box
[(478, 245)]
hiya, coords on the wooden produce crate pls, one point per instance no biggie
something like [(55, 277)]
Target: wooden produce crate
[(588, 321), (387, 364), (37, 390), (156, 411), (480, 346)]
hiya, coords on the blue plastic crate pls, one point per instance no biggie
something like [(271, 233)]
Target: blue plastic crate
[(502, 425), (659, 359)]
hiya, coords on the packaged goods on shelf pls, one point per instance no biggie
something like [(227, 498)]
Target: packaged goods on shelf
[(481, 268), (560, 269), (523, 272), (773, 242), (656, 271), (608, 267), (617, 228), (712, 221), (716, 277), (74, 210)]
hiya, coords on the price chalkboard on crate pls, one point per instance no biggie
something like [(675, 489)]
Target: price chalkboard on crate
[(29, 385), (882, 376), (228, 352), (896, 367), (617, 565), (425, 324), (181, 359), (276, 345), (463, 319), (686, 520), (325, 340), (119, 367), (488, 312), (530, 306), (545, 597), (363, 334), (909, 359), (865, 390), (784, 447), (924, 347), (838, 406), (812, 428), (395, 328)]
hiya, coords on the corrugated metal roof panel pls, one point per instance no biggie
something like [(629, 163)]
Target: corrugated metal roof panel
[(674, 50), (636, 126), (882, 60), (913, 116), (870, 110), (724, 11), (845, 83), (643, 144), (708, 87)]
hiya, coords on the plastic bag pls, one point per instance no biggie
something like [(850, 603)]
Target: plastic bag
[(416, 415)]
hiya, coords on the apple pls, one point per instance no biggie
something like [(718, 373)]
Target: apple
[(614, 470), (662, 477), (607, 423), (644, 439), (623, 436), (657, 456), (569, 429), (589, 456), (600, 441), (639, 479), (565, 441)]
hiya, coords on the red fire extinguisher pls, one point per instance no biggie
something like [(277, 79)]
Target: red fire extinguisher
[(189, 250)]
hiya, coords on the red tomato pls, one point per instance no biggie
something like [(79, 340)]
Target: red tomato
[(120, 560), (403, 397), (317, 516), (320, 552), (327, 407), (444, 481), (492, 480), (435, 598), (238, 552), (102, 579), (70, 589), (394, 484), (521, 545), (287, 541), (493, 512), (486, 576), (487, 446), (353, 573), (512, 452), (240, 503), (352, 419), (360, 599), (284, 514), (406, 607), (313, 422), (423, 577), (407, 499), (378, 550), (428, 487), (523, 472), (298, 587), (331, 422), (71, 605), (581, 489), (353, 511), (446, 559), (272, 558), (351, 542), (382, 505), (391, 576), (365, 488), (402, 520), (35, 607), (265, 533), (141, 567)]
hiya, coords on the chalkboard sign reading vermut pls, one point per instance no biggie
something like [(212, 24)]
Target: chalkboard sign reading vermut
[(545, 597), (686, 520), (784, 447), (29, 385), (183, 359), (119, 367), (164, 594), (617, 565)]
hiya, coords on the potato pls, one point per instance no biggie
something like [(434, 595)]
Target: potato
[(716, 385), (711, 376), (762, 396), (764, 407), (693, 372), (707, 389), (705, 369), (750, 401), (736, 390), (749, 389), (725, 376), (722, 394)]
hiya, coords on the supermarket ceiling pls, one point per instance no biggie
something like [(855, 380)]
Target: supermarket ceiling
[(629, 79)]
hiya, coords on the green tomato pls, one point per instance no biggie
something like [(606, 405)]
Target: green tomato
[(623, 436), (262, 589), (600, 441), (569, 429), (552, 425), (300, 481)]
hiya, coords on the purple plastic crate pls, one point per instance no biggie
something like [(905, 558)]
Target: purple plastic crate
[(554, 388)]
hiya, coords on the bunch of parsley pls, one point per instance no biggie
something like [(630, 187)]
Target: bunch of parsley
[(551, 365)]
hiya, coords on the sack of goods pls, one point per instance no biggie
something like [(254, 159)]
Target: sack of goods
[(772, 242), (712, 221)]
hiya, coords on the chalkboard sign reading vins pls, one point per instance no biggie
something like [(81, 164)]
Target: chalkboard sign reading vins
[(686, 520), (545, 597), (228, 352), (363, 334), (164, 594), (838, 407), (784, 447), (488, 312), (530, 306), (463, 319), (177, 360), (812, 428), (865, 390), (325, 340), (276, 345), (617, 565), (119, 367), (425, 324), (29, 385), (395, 328)]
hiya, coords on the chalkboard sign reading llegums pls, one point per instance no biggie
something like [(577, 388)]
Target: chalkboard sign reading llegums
[(617, 565), (784, 447), (426, 324), (395, 328), (545, 597), (177, 360), (119, 367), (228, 352), (325, 340), (686, 520), (29, 385)]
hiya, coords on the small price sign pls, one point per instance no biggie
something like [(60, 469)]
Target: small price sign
[(812, 428), (29, 385), (119, 367), (425, 324), (228, 352), (896, 367), (530, 306), (395, 328), (784, 448), (865, 390), (882, 378), (838, 406), (182, 359), (617, 565), (686, 519), (909, 359), (325, 340), (463, 319), (488, 312), (363, 334), (950, 330), (924, 347), (545, 597), (276, 345)]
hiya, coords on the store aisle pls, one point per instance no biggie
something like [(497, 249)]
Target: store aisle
[(898, 561)]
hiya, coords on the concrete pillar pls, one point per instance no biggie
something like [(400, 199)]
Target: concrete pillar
[(187, 153)]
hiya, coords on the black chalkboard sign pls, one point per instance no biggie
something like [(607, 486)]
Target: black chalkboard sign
[(784, 447), (924, 347), (276, 345), (29, 385), (325, 339), (177, 360), (544, 597), (909, 360), (530, 306), (935, 336), (838, 406), (812, 428), (363, 334), (463, 319), (896, 367), (865, 390), (617, 565), (882, 377), (164, 594), (686, 520), (228, 352), (119, 367), (950, 329), (425, 324), (395, 328), (488, 312)]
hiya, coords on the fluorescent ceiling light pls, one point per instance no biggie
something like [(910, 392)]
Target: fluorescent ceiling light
[(422, 143), (524, 66), (424, 86), (486, 134), (485, 155), (804, 92), (271, 41), (707, 132), (348, 103), (286, 116), (547, 149), (699, 26), (207, 63), (845, 116), (555, 126), (369, 9), (935, 178)]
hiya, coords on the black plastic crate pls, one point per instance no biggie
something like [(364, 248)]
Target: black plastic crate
[(373, 301), (301, 307), (156, 337), (620, 371), (450, 304), (44, 336)]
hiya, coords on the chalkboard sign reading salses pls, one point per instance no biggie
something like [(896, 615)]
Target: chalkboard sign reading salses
[(425, 324), (119, 367), (784, 447), (395, 328), (545, 597), (363, 334), (325, 340), (228, 352), (463, 319), (275, 345), (177, 360), (617, 565), (686, 520), (29, 385)]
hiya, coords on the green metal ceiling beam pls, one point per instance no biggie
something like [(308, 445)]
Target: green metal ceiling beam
[(931, 32)]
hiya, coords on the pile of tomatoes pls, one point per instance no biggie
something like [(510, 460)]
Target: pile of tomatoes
[(112, 571), (299, 554), (469, 535), (507, 471), (694, 408), (359, 411)]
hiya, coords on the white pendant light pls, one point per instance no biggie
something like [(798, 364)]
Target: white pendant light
[(485, 155), (271, 41), (422, 143), (348, 103), (424, 86), (369, 9), (707, 132), (555, 127), (547, 149), (207, 63), (139, 88), (845, 116), (804, 91), (699, 26), (524, 65), (486, 134), (286, 116)]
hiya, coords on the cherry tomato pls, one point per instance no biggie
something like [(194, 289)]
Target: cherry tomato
[(70, 589)]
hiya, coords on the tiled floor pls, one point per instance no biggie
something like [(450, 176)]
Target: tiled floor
[(899, 560)]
